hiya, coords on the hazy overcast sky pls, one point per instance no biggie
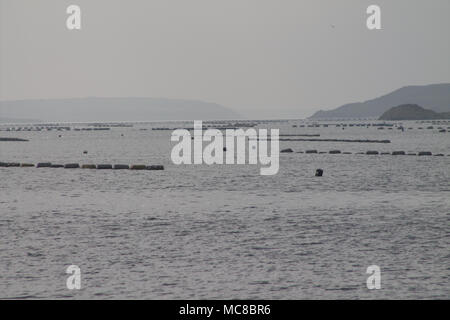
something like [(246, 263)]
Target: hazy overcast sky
[(272, 57)]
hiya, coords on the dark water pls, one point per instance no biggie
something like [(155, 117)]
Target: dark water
[(225, 231)]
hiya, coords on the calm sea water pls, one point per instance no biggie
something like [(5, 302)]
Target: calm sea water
[(225, 232)]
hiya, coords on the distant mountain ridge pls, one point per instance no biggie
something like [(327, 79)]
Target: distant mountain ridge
[(114, 109), (412, 112), (435, 97)]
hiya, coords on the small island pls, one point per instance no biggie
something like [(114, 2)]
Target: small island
[(412, 112)]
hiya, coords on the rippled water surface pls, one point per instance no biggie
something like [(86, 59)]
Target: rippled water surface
[(225, 231)]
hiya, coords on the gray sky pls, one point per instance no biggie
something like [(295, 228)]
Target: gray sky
[(266, 58)]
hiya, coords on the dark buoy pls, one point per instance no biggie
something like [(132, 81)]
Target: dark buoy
[(13, 164), (289, 150), (85, 152), (319, 172), (71, 166), (104, 166), (138, 167), (43, 165), (88, 166), (224, 149), (26, 165), (155, 167), (121, 166)]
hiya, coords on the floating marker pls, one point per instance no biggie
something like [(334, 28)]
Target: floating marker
[(155, 167), (43, 165), (88, 166), (104, 166), (71, 166), (138, 167), (13, 164), (26, 165), (121, 166)]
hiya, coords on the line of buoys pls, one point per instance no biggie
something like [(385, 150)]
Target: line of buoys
[(332, 140), (370, 152), (84, 166), (13, 139)]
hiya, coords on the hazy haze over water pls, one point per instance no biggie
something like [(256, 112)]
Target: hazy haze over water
[(263, 58)]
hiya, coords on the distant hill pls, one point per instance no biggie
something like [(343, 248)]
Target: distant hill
[(412, 112), (435, 97), (16, 120), (114, 109)]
